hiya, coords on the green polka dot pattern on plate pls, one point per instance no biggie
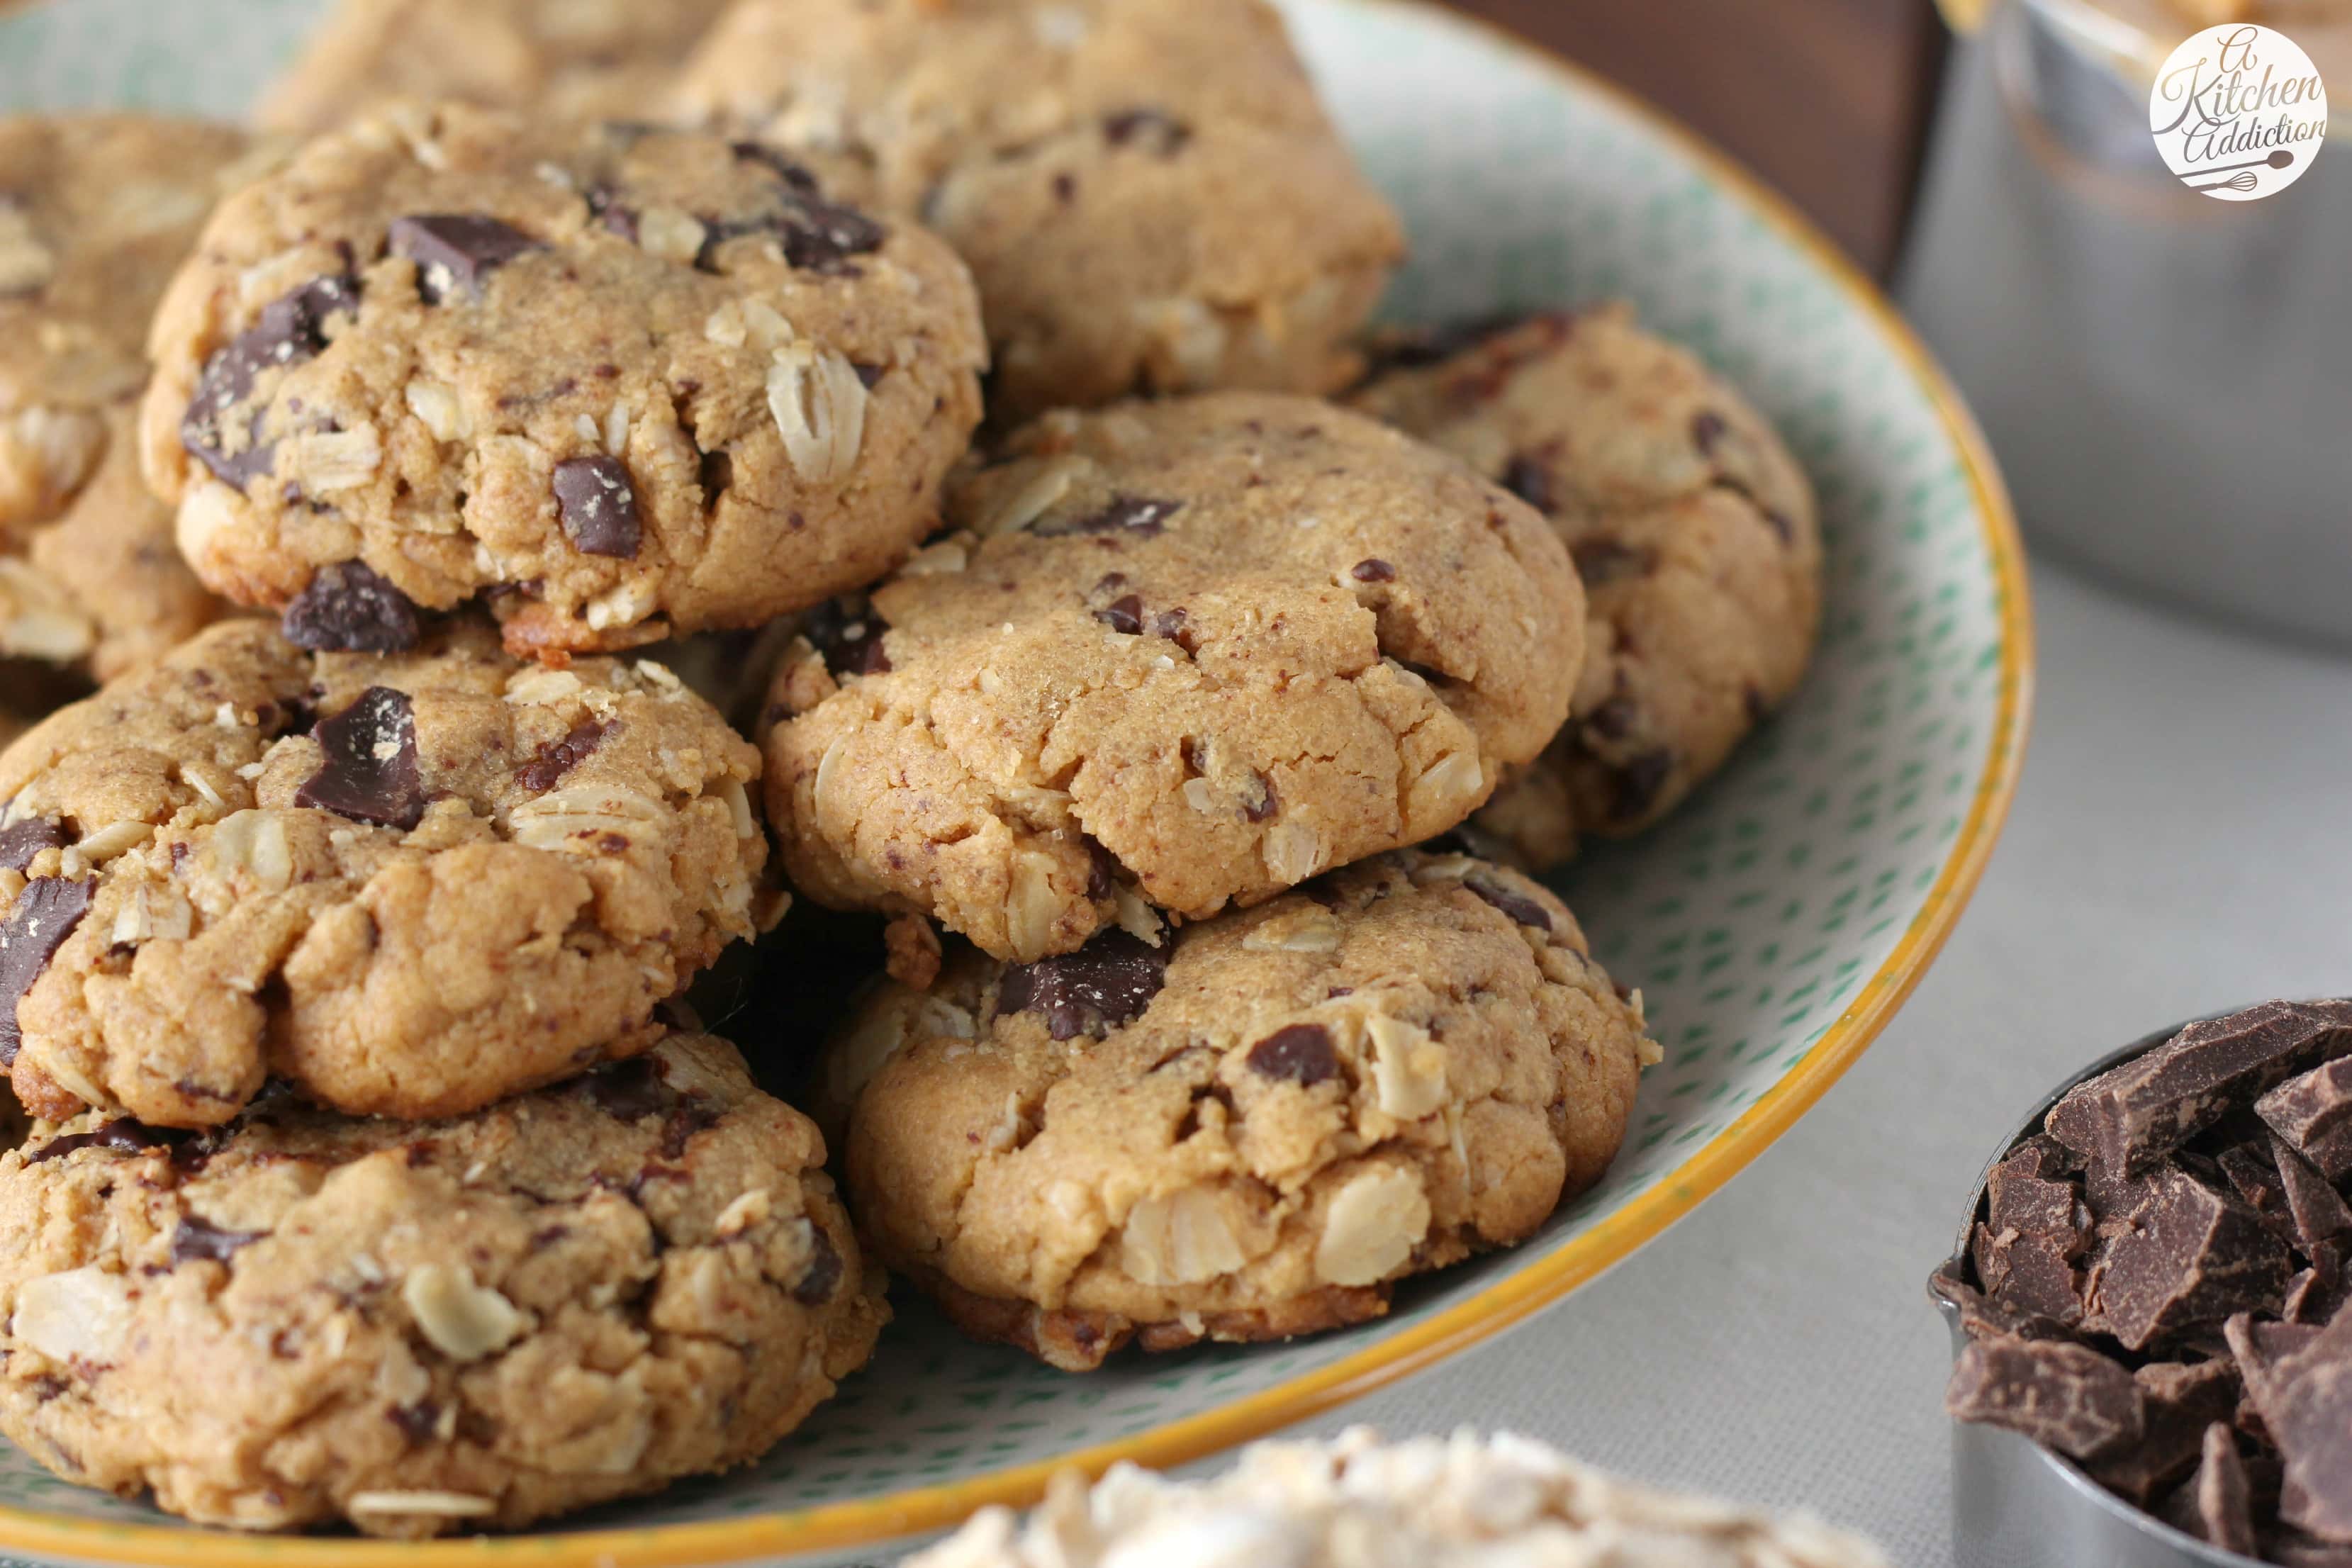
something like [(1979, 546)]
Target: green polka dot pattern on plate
[(1753, 919)]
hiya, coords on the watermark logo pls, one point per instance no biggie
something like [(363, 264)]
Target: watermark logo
[(2239, 113)]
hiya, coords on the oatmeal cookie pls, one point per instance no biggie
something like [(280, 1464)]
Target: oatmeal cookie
[(1250, 1130), (1147, 191), (408, 883), (1694, 530), (562, 59), (1182, 654), (302, 1318), (617, 381), (96, 212)]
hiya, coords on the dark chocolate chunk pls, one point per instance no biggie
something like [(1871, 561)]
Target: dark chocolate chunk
[(2306, 1401), (556, 758), (45, 914), (814, 233), (2191, 1254), (1707, 429), (2256, 1179), (627, 1091), (2219, 1501), (1635, 784), (793, 174), (201, 1241), (20, 842), (692, 1115), (822, 1275), (2318, 1292), (1298, 1053), (455, 251), (1602, 558), (123, 1135), (1102, 870), (2319, 1214), (1521, 909), (1530, 481), (2063, 1396), (613, 215), (1176, 627), (2036, 1229), (1614, 718), (1090, 992), (598, 506), (417, 1422), (370, 772), (1125, 514), (2130, 1118), (1123, 615), (290, 330), (1153, 130), (2292, 1548), (1259, 801), (2179, 1402), (1981, 1316), (1373, 569), (851, 643), (2313, 1113), (347, 607)]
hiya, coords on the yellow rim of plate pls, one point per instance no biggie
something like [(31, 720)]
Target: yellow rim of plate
[(1508, 1303)]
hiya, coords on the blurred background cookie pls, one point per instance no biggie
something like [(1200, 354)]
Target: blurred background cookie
[(1693, 529), (1150, 195)]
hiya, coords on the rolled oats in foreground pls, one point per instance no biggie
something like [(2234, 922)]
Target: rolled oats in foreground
[(1465, 1501)]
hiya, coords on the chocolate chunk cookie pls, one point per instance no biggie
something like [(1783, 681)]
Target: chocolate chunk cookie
[(1691, 526), (1250, 1130), (95, 211), (409, 884), (1186, 654), (303, 1318), (562, 59), (1148, 192), (619, 382)]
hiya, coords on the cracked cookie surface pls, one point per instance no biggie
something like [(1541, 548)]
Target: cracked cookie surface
[(1251, 1131), (96, 213), (409, 884), (1147, 191), (1185, 653), (580, 1294), (1694, 530), (562, 59), (620, 382)]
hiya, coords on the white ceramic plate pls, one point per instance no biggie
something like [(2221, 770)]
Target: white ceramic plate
[(1775, 923)]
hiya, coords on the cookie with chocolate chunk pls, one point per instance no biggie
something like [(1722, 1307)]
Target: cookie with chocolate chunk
[(408, 883), (1184, 654), (562, 59), (1243, 1129), (96, 212), (302, 1318), (618, 382), (1693, 527), (1150, 195)]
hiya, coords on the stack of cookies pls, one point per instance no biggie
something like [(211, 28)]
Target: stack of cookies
[(430, 509)]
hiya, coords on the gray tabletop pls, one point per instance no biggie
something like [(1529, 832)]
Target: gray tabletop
[(2182, 843)]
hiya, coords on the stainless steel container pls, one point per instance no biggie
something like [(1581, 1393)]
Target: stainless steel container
[(2166, 378), (2014, 1503)]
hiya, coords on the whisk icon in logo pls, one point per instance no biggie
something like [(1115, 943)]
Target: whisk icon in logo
[(2238, 111)]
